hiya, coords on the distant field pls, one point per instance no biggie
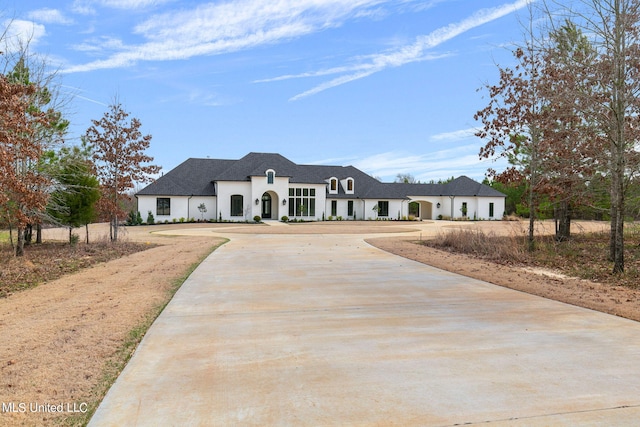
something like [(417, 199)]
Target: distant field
[(4, 236)]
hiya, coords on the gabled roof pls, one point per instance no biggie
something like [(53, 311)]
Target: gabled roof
[(195, 177)]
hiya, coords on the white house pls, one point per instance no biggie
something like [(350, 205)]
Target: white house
[(271, 186)]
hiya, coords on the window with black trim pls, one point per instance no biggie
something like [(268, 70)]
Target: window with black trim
[(350, 185), (302, 202), (383, 208), (334, 184), (237, 203), (163, 206), (270, 177)]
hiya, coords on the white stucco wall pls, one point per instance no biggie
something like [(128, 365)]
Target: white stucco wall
[(498, 207), (477, 207), (181, 207), (342, 208), (279, 191), (396, 207), (210, 204), (225, 190)]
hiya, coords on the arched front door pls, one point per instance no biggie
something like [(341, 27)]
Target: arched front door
[(266, 206)]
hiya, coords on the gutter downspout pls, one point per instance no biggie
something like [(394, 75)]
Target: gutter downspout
[(188, 216), (452, 199)]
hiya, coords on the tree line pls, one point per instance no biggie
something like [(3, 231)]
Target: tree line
[(566, 116), (46, 180)]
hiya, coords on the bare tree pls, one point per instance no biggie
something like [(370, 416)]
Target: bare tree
[(406, 178)]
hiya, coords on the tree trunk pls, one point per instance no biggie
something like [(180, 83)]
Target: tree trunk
[(114, 226), (28, 234), (620, 101), (70, 235), (617, 227), (20, 243), (563, 217), (38, 233), (11, 236), (612, 232), (86, 229)]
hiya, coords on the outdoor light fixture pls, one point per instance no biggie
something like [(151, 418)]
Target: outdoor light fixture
[(257, 201), (284, 202), (438, 205)]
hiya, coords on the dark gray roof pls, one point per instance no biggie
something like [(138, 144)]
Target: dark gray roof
[(195, 177), (462, 186), (190, 178), (465, 186), (257, 164)]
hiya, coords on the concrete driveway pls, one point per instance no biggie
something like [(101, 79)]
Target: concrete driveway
[(325, 330)]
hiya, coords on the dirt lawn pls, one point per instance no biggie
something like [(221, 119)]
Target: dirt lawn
[(60, 338)]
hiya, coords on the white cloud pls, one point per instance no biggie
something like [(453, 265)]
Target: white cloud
[(132, 4), (454, 136), (88, 7), (416, 51), (441, 164), (100, 44), (49, 16), (19, 33), (215, 28)]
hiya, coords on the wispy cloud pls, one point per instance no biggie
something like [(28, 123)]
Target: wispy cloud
[(410, 53), (99, 45), (83, 7), (441, 164), (131, 4), (455, 136), (460, 158), (216, 28), (88, 7), (49, 16)]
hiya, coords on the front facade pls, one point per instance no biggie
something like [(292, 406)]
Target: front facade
[(272, 187)]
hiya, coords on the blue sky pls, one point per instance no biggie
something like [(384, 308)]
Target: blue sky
[(387, 86)]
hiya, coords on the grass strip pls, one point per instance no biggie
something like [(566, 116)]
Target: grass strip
[(123, 354)]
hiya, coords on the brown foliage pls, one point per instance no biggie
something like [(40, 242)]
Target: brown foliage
[(22, 197), (119, 157), (570, 110)]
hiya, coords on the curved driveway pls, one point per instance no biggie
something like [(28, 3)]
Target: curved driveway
[(325, 330)]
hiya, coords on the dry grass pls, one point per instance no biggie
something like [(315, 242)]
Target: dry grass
[(584, 256), (487, 245), (52, 260)]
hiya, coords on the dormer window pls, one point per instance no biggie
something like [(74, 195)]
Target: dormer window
[(333, 185), (271, 174), (347, 184)]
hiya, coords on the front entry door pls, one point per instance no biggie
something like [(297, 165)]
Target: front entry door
[(266, 205)]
